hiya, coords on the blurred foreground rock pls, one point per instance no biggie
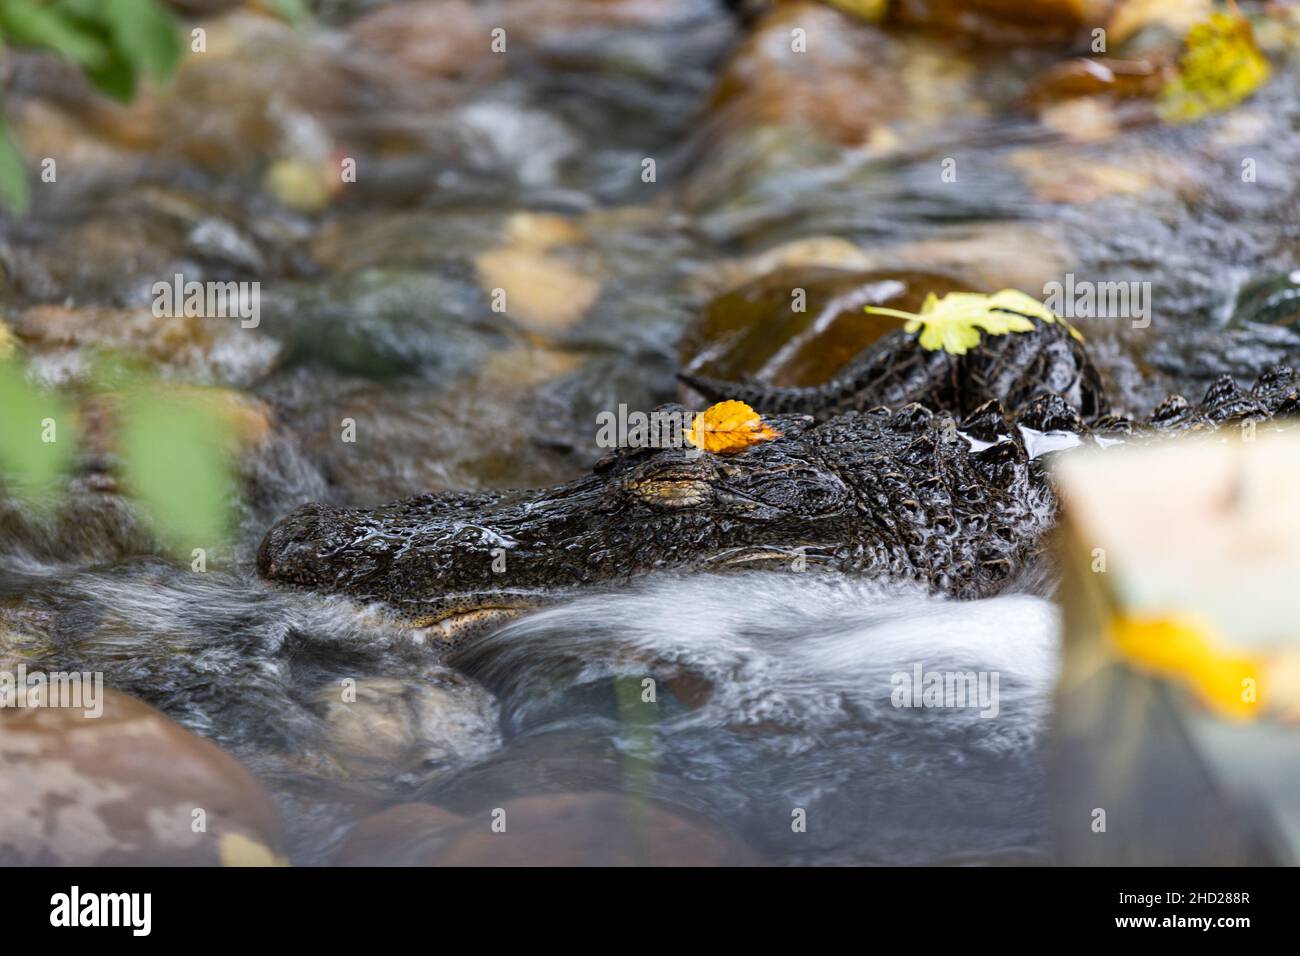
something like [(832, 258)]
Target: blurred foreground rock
[(125, 788)]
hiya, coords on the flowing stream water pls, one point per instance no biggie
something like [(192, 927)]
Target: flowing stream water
[(771, 691)]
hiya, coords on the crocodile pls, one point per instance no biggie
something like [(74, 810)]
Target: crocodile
[(914, 492), (895, 370)]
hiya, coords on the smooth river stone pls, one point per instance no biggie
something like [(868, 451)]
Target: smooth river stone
[(122, 789)]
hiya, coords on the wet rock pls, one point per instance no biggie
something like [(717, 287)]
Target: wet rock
[(541, 289), (1101, 76), (444, 39), (1002, 21), (408, 732), (756, 331), (405, 835), (587, 829), (807, 108), (124, 788), (396, 241), (381, 324), (410, 441), (567, 829), (110, 249), (841, 85), (199, 348)]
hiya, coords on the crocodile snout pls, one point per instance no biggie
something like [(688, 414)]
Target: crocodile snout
[(293, 548)]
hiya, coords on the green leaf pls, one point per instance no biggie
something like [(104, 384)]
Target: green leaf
[(14, 192), (174, 458), (27, 23), (116, 78), (37, 437), (145, 34)]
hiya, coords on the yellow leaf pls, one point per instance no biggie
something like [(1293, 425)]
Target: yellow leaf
[(235, 849), (1186, 649), (873, 11), (7, 344), (954, 322), (729, 427), (1220, 67)]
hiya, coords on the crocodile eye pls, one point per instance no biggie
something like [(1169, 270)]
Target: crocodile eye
[(672, 484), (671, 494)]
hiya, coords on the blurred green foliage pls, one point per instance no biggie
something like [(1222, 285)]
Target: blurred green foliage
[(174, 449), (174, 446), (37, 435), (115, 42)]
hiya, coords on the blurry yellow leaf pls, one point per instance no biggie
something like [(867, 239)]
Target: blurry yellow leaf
[(235, 849), (302, 186), (7, 344), (729, 427), (954, 322), (1183, 648), (1220, 67), (873, 11)]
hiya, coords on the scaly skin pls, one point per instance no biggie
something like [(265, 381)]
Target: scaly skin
[(906, 494)]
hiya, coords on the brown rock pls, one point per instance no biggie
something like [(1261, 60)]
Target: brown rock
[(571, 829), (442, 39), (844, 85), (122, 789), (754, 331), (404, 835), (1003, 21)]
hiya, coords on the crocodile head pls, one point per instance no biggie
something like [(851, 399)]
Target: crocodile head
[(449, 559)]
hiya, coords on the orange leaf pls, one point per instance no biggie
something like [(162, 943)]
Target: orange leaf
[(729, 427)]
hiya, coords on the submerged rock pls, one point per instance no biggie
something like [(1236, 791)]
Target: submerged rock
[(568, 829), (404, 835), (408, 732), (589, 829), (130, 787)]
